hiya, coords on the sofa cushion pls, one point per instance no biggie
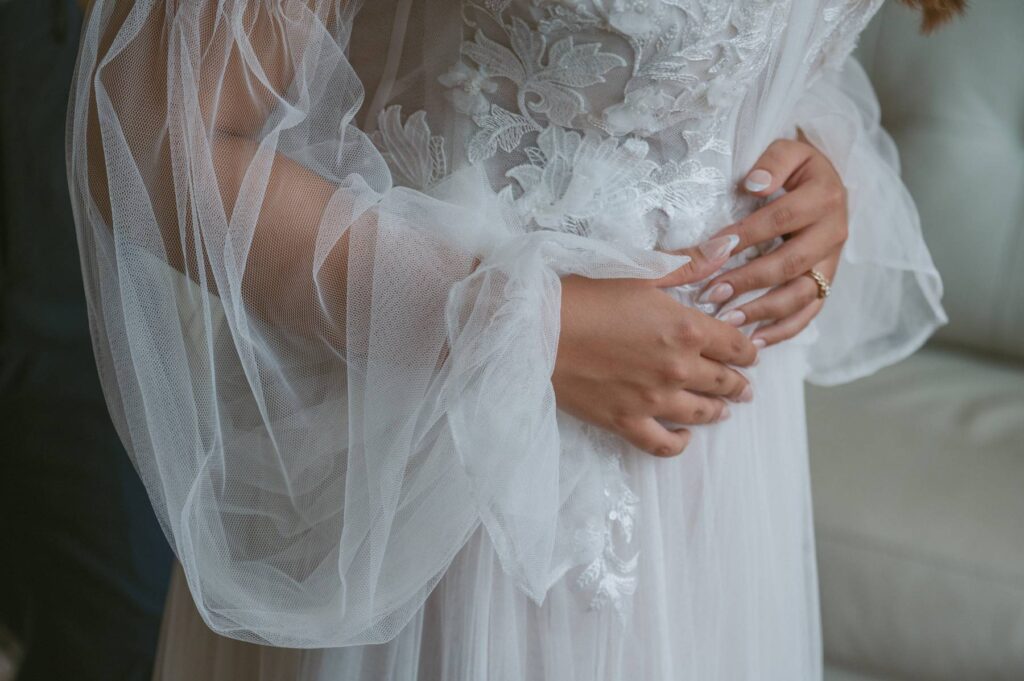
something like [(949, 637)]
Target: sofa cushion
[(954, 103), (918, 479)]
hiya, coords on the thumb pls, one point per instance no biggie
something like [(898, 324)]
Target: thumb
[(705, 259)]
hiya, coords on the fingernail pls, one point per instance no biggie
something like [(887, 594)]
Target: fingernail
[(758, 181), (747, 395), (719, 247), (719, 293), (760, 343), (734, 317), (725, 413)]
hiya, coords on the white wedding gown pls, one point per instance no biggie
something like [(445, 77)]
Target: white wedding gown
[(322, 246)]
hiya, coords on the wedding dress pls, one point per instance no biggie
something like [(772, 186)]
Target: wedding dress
[(322, 245)]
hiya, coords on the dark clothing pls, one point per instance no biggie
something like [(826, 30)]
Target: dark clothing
[(83, 563)]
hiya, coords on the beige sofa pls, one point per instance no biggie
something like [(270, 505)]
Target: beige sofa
[(918, 471)]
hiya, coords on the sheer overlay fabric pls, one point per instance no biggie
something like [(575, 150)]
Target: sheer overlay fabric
[(322, 244)]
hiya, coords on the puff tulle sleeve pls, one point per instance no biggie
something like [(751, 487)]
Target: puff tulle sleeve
[(327, 383), (886, 295)]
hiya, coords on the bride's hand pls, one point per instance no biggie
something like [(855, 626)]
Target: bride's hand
[(629, 354), (811, 216)]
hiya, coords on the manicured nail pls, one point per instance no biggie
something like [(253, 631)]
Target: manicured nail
[(758, 181), (747, 395), (719, 247), (760, 343), (734, 317), (725, 413), (719, 293)]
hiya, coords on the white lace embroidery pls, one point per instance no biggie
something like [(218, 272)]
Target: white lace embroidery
[(607, 188), (687, 65), (610, 578), (548, 74), (416, 157)]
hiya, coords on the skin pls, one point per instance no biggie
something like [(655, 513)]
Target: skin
[(812, 217), (629, 354)]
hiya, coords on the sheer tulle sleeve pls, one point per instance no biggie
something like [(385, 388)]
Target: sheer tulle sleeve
[(885, 298), (326, 383)]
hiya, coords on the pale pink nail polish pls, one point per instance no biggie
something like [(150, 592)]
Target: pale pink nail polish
[(719, 293), (734, 317), (747, 395), (719, 247), (758, 181), (759, 343), (725, 413)]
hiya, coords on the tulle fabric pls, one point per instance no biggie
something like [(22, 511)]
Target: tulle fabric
[(886, 295), (323, 404), (726, 586), (337, 389)]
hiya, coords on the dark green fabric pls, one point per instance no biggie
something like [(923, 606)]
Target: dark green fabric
[(83, 563)]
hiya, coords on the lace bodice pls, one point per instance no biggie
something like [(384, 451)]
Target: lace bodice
[(615, 119)]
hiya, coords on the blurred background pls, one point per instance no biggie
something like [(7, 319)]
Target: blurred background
[(83, 564), (918, 471)]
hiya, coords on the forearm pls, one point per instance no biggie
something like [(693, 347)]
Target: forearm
[(270, 202), (282, 282)]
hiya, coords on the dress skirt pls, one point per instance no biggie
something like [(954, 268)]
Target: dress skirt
[(724, 585)]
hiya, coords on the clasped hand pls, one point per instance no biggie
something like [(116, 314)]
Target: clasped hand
[(633, 360)]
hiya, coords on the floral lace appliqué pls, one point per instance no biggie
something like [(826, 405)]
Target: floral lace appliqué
[(608, 188), (524, 79), (548, 74), (609, 578), (416, 157)]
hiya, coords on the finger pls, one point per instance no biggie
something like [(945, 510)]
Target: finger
[(718, 341), (779, 161), (788, 327), (714, 378), (778, 303), (705, 260), (787, 262), (652, 437), (690, 409), (784, 215)]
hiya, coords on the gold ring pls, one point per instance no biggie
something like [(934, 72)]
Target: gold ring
[(824, 286)]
